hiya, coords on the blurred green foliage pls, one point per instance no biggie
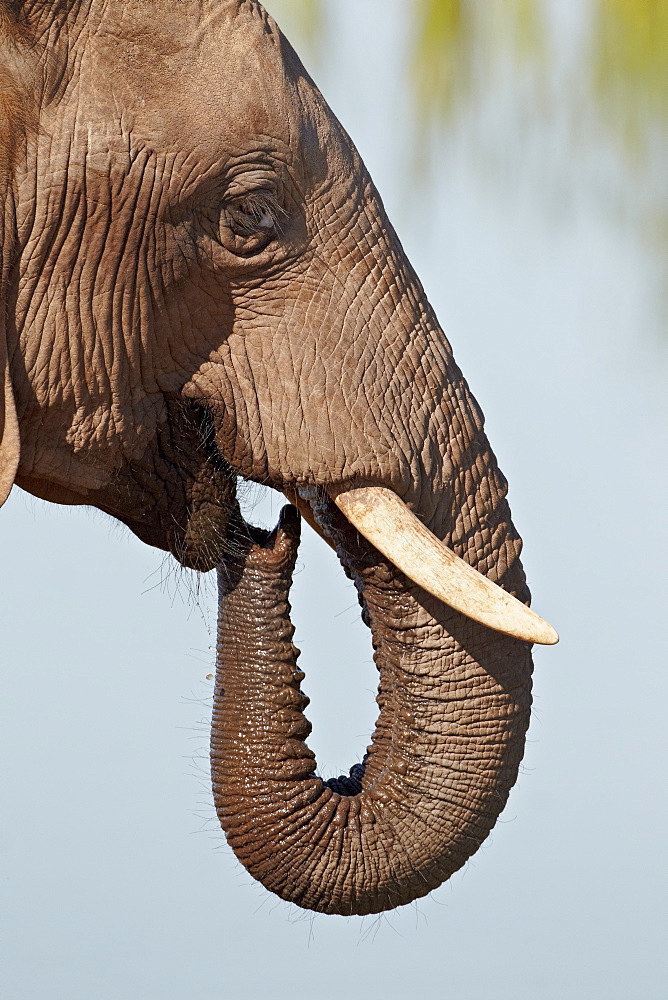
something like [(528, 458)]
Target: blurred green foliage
[(441, 62), (451, 40), (628, 52), (451, 36), (631, 65)]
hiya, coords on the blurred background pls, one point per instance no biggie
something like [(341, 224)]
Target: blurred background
[(520, 147)]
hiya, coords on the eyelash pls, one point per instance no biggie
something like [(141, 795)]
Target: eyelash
[(259, 212)]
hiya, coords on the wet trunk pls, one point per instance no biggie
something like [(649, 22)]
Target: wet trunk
[(454, 707)]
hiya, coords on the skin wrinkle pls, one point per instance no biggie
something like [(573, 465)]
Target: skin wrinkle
[(55, 249), (391, 443), (131, 299), (36, 294)]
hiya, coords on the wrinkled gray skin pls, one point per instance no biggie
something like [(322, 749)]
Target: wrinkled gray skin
[(200, 283)]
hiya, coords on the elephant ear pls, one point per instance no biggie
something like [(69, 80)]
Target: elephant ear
[(18, 120), (10, 443), (9, 427)]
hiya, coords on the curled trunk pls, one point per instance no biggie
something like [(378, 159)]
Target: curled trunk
[(454, 703)]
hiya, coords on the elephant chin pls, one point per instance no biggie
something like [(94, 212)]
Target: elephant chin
[(454, 700)]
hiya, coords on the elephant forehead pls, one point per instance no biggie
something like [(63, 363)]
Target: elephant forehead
[(215, 79)]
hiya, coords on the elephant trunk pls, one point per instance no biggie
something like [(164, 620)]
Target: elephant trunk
[(454, 702)]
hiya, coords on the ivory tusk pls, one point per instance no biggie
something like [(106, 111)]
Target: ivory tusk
[(385, 521)]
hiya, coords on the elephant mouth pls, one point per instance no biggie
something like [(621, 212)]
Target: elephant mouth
[(206, 536), (384, 520)]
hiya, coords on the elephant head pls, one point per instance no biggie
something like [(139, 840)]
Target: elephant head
[(200, 283)]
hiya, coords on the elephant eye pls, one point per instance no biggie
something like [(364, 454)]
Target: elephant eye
[(256, 214)]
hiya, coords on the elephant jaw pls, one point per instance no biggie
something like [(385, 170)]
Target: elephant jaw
[(385, 521)]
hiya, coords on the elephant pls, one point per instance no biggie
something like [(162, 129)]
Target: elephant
[(200, 285)]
